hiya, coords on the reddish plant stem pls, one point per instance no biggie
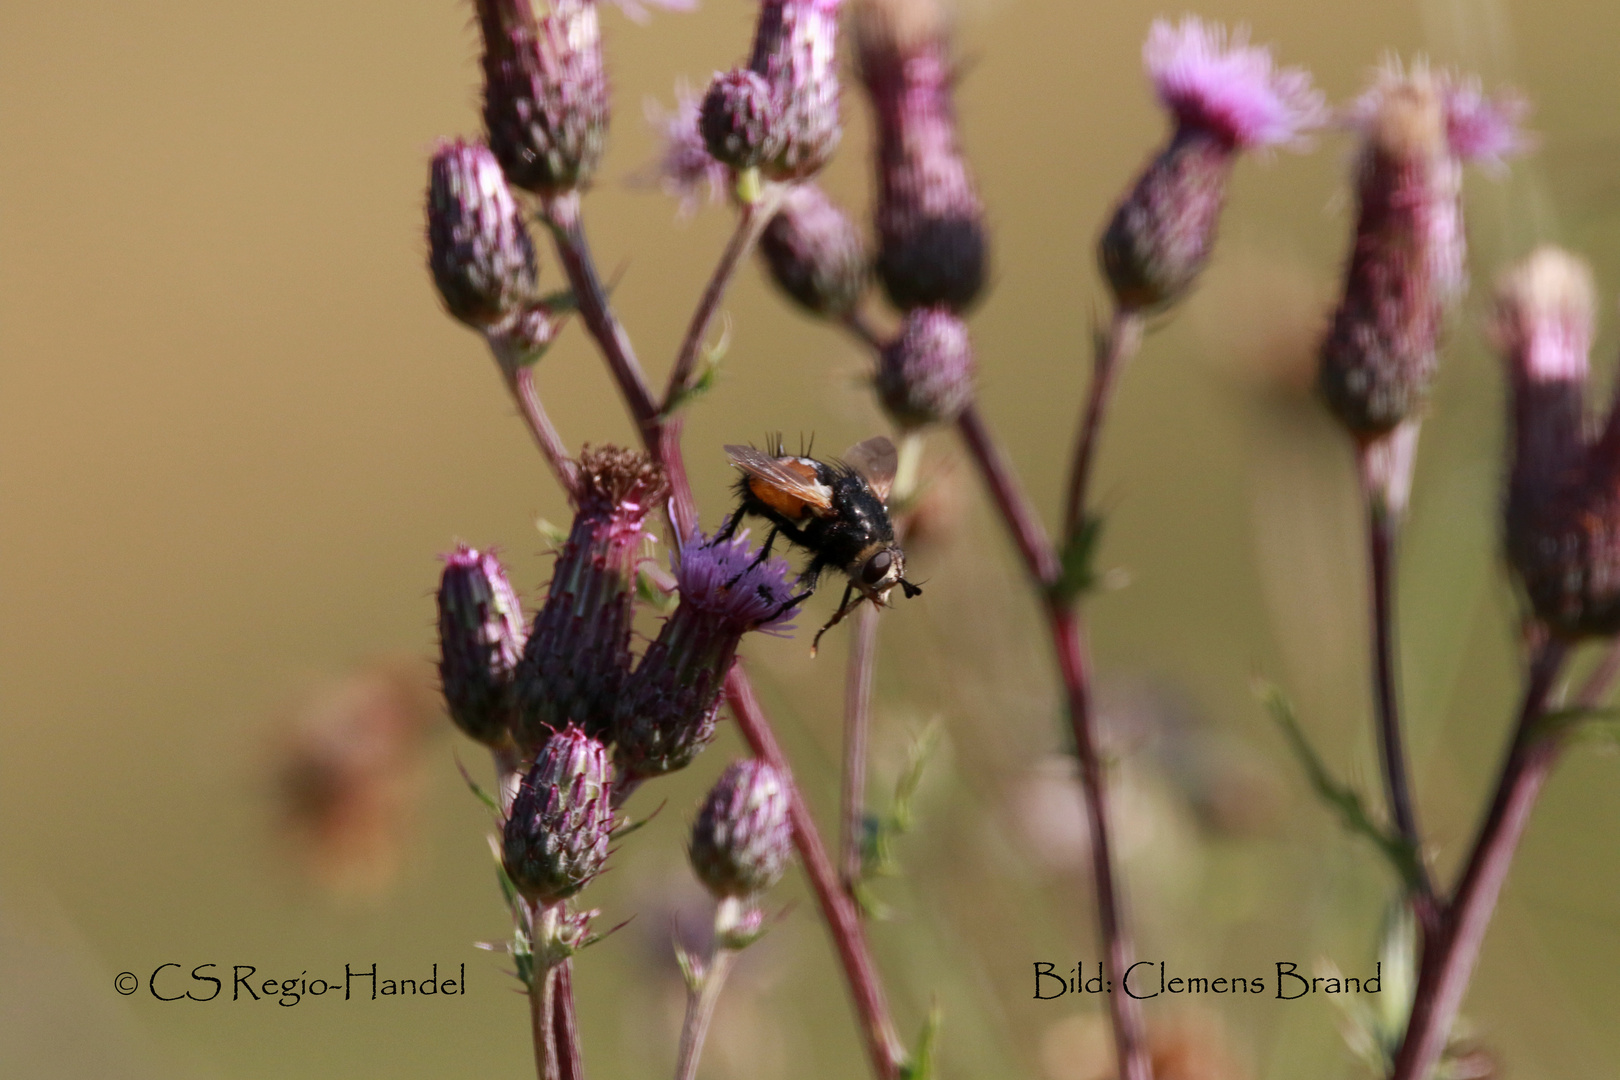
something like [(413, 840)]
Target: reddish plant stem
[(857, 724), (1114, 347), (521, 384), (1069, 642), (565, 1026), (751, 222), (1383, 527), (1450, 954), (661, 438), (843, 919)]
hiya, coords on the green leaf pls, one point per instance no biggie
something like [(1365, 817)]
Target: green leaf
[(651, 591), (472, 785), (920, 1065), (1596, 723), (1339, 797), (881, 830), (1079, 561), (563, 300), (705, 375)]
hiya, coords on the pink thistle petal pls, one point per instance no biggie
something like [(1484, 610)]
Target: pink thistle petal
[(1482, 129), (1228, 86), (685, 166)]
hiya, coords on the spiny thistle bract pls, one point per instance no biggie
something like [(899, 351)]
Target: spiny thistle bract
[(578, 654), (481, 637), (556, 837), (479, 251), (814, 253), (925, 375), (667, 712), (743, 837)]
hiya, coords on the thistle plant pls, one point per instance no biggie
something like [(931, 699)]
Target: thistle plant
[(580, 711)]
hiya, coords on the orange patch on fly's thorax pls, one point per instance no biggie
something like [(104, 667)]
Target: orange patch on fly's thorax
[(789, 506)]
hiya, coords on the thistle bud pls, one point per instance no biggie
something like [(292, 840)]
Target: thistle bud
[(1563, 501), (794, 51), (742, 838), (667, 711), (925, 376), (481, 637), (556, 838), (545, 92), (480, 253), (740, 120), (578, 654), (1223, 97), (930, 221), (814, 253), (1407, 265)]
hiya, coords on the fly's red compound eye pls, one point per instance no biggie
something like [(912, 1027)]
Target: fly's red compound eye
[(877, 567)]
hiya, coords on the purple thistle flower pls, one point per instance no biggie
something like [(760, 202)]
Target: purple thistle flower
[(667, 712), (481, 637), (928, 215), (1408, 264), (479, 251), (545, 92), (925, 376), (814, 253), (685, 169), (742, 839), (556, 837), (1224, 97), (1229, 87), (578, 654), (1482, 129), (795, 46)]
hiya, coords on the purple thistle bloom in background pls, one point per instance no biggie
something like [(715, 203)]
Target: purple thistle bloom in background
[(1224, 96), (925, 375), (795, 45), (685, 169), (666, 714), (814, 253), (479, 251), (1563, 504), (1408, 263), (742, 838), (556, 837), (578, 654), (481, 637), (928, 215), (1229, 88), (545, 92)]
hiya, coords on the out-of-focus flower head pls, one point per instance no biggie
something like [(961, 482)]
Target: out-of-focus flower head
[(479, 251), (556, 838), (667, 712), (578, 654), (1227, 87), (742, 838), (1408, 263), (1562, 520), (481, 636), (929, 217), (546, 100), (1224, 96), (741, 120), (795, 47), (925, 375), (685, 169), (348, 774), (814, 253)]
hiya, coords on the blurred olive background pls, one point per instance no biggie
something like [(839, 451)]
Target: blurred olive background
[(236, 429)]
